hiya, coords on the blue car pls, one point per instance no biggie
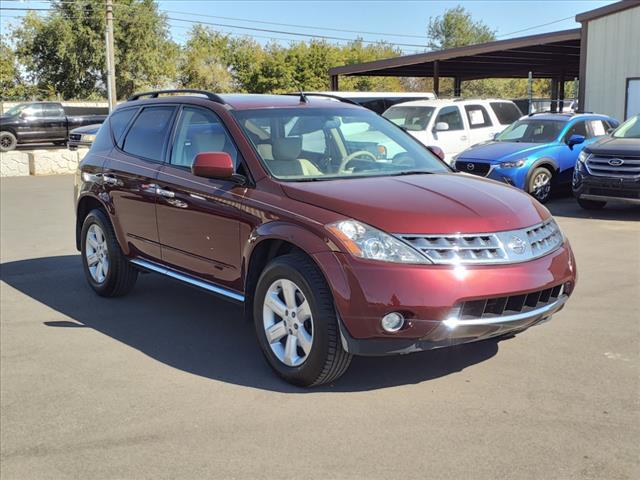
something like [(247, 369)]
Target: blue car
[(537, 152)]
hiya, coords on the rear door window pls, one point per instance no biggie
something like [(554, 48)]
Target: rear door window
[(477, 116), (598, 128), (451, 116), (506, 112), (147, 136), (53, 110)]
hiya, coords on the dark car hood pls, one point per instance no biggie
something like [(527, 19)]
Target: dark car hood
[(500, 151), (87, 129), (432, 203), (615, 146)]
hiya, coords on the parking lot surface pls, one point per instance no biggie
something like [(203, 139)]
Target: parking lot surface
[(169, 382)]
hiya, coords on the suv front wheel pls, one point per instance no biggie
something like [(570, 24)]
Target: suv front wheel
[(296, 322), (539, 186)]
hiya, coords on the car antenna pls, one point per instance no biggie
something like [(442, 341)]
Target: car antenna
[(303, 97)]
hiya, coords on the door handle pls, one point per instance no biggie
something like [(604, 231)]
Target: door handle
[(463, 137), (109, 179), (165, 193)]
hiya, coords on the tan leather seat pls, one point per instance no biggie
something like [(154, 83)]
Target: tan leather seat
[(285, 161)]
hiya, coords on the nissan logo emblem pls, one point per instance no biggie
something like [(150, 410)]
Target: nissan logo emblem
[(470, 166), (517, 245), (616, 162)]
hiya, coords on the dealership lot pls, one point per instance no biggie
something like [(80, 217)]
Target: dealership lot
[(169, 382)]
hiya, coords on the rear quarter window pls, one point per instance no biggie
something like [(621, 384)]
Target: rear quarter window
[(119, 121), (506, 112)]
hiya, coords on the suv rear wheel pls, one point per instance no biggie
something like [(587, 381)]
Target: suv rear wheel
[(296, 322), (8, 141), (539, 186), (591, 204), (107, 270)]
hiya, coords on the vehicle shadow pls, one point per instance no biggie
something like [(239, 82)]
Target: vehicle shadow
[(193, 331), (568, 207)]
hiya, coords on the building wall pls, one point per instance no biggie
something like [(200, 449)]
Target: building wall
[(613, 55)]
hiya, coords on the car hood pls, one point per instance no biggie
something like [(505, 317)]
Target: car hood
[(425, 203), (494, 152), (615, 146)]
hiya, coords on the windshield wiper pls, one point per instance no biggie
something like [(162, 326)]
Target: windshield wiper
[(411, 172)]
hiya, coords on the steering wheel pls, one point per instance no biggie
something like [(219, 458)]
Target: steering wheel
[(353, 155)]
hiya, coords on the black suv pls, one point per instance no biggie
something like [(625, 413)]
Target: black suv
[(609, 169)]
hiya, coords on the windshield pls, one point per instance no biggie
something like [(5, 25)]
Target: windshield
[(410, 118), (15, 110), (325, 143), (629, 129), (532, 131)]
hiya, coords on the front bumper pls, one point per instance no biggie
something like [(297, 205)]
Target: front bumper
[(592, 187), (445, 335), (365, 291)]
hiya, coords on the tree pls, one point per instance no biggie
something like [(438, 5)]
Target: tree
[(357, 52), (65, 51), (204, 62), (456, 28), (11, 85)]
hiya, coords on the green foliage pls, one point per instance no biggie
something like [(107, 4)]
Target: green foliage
[(456, 28), (11, 85), (65, 50), (204, 62)]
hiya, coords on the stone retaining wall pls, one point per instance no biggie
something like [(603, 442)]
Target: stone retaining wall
[(40, 162)]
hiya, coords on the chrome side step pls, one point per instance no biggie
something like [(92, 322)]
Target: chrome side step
[(154, 267)]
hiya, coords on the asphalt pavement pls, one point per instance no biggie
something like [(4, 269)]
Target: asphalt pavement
[(168, 382)]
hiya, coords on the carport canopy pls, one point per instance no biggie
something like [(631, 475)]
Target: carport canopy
[(554, 55)]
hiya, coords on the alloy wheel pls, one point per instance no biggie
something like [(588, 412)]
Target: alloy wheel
[(542, 186), (97, 254), (288, 323)]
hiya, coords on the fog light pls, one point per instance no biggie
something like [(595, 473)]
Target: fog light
[(392, 322)]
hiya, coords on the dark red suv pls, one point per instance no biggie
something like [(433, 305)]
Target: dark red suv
[(339, 233)]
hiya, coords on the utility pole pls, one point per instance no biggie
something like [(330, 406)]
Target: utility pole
[(111, 62)]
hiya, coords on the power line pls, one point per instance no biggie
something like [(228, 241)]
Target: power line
[(329, 29), (535, 26), (307, 35)]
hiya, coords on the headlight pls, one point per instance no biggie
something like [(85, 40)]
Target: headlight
[(367, 242), (88, 138), (583, 156), (512, 164)]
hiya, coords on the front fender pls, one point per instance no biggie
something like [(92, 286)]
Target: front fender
[(318, 246)]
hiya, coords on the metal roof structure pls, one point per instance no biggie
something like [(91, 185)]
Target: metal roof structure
[(547, 55)]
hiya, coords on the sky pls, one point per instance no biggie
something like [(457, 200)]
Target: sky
[(402, 22)]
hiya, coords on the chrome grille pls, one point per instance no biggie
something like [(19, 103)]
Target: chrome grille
[(614, 166), (544, 237), (488, 248)]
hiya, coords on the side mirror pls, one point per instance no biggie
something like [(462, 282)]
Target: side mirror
[(213, 165), (437, 151), (575, 140), (442, 126)]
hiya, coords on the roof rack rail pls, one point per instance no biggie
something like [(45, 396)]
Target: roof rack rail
[(155, 93), (545, 112), (324, 95)]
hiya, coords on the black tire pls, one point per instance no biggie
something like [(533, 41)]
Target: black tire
[(591, 204), (121, 275), (327, 360), (540, 194), (8, 141)]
